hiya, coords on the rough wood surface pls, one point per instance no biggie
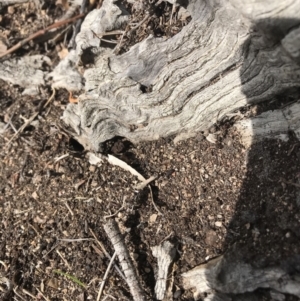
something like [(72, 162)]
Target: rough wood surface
[(165, 254), (12, 2), (227, 277), (112, 230), (25, 72), (271, 124), (65, 74), (215, 65)]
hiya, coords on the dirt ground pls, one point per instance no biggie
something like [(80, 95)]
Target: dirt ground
[(214, 198)]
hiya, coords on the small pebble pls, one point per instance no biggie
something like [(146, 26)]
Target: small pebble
[(11, 10), (92, 168), (218, 224), (211, 238)]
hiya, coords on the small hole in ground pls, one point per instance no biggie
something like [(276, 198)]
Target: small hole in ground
[(74, 145)]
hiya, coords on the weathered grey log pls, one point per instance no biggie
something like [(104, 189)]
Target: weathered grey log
[(25, 72), (271, 124), (231, 54), (227, 277)]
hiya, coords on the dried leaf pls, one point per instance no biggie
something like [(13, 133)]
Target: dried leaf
[(77, 185), (53, 283), (152, 218), (35, 195)]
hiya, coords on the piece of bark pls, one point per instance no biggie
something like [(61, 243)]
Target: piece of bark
[(111, 16), (25, 72), (215, 65), (227, 277), (4, 3), (165, 254), (65, 74), (271, 124), (112, 230)]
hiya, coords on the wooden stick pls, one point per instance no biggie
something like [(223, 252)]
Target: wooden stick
[(40, 33), (112, 230), (105, 276), (107, 254)]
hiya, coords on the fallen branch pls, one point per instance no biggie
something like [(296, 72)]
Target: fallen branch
[(105, 276), (239, 278), (40, 33), (112, 230), (107, 254)]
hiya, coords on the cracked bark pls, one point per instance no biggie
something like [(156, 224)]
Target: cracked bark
[(230, 55)]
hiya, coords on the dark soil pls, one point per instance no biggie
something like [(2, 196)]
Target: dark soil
[(216, 198)]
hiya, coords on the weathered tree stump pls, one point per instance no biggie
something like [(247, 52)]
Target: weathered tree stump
[(232, 53)]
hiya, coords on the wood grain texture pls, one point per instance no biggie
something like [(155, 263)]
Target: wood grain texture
[(113, 232), (226, 277), (271, 124), (26, 72), (165, 254), (215, 65)]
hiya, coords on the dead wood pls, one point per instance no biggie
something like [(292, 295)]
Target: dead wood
[(112, 230), (107, 254), (225, 58), (65, 75), (227, 277), (4, 3), (271, 124), (165, 254), (26, 72)]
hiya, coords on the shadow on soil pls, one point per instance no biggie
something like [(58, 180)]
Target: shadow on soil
[(264, 231)]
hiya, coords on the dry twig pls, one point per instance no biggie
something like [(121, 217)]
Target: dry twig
[(107, 254), (28, 121), (105, 276), (40, 33), (114, 214), (112, 230), (116, 161)]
